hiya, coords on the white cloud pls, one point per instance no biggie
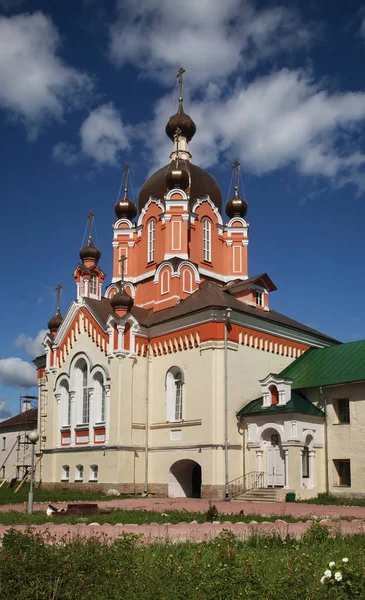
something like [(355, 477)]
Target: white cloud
[(5, 411), (35, 84), (210, 37), (32, 346), (17, 373), (102, 137)]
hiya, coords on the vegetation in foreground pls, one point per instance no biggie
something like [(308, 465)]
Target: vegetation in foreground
[(137, 517), (315, 567), (328, 499), (8, 496)]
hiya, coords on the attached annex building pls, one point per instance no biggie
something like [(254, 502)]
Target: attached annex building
[(142, 379)]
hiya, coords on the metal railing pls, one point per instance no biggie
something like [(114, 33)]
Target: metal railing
[(249, 481)]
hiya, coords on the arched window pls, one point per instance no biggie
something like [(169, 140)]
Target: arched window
[(207, 240), (274, 394), (165, 281), (65, 475), (65, 405), (79, 473), (94, 473), (99, 396), (93, 285), (82, 394), (174, 394), (151, 231)]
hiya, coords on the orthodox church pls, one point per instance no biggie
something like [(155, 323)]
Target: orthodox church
[(143, 377)]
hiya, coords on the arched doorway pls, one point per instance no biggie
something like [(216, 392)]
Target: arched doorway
[(274, 458), (185, 479)]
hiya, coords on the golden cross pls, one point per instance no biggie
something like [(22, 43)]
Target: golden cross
[(122, 260), (235, 167), (58, 290), (90, 218), (179, 75)]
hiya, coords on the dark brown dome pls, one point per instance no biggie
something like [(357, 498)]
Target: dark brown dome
[(183, 122), (55, 322), (236, 206), (176, 177), (201, 184), (122, 300), (125, 208), (90, 251)]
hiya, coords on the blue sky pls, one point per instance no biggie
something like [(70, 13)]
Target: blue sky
[(87, 85)]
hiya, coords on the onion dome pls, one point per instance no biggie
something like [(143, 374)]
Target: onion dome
[(236, 206), (122, 300), (177, 177), (183, 122), (56, 322), (90, 251), (125, 208), (201, 184)]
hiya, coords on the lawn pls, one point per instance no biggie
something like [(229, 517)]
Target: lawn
[(330, 500), (260, 568), (8, 496), (137, 517)]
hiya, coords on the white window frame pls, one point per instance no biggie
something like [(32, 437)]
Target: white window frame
[(84, 394), (174, 395), (79, 473), (99, 397), (187, 276), (94, 473), (93, 285), (259, 298), (207, 240), (151, 240), (165, 275), (65, 473)]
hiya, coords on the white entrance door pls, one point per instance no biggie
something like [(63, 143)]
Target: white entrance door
[(275, 467)]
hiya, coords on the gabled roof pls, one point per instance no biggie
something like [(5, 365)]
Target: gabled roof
[(28, 417), (297, 404), (328, 366), (262, 280), (208, 295)]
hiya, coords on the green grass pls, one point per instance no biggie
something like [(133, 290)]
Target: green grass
[(137, 517), (260, 568), (330, 500), (8, 496)]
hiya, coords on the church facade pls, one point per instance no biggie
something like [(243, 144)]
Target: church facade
[(143, 376)]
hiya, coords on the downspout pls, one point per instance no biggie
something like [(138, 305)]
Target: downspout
[(145, 492), (325, 440), (226, 326)]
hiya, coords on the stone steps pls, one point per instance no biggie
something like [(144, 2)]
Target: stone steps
[(261, 495)]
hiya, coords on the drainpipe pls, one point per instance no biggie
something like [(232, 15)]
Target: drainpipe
[(325, 440), (146, 422), (226, 327)]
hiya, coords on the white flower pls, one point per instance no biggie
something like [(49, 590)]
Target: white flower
[(327, 573), (331, 564), (324, 579), (345, 560), (338, 576)]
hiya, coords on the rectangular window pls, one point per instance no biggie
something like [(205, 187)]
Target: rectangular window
[(151, 241), (102, 407), (79, 476), (343, 410), (68, 409), (178, 401), (85, 398), (343, 469), (259, 298), (305, 462), (207, 253), (93, 285)]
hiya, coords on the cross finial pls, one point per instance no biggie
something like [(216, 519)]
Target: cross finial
[(58, 290), (179, 75), (122, 260), (126, 176), (236, 169), (90, 218)]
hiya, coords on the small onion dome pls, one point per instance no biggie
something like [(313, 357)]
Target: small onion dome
[(125, 208), (122, 300), (236, 206), (183, 122), (90, 251), (55, 322), (177, 177)]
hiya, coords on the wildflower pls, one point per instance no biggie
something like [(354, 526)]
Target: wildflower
[(5, 558), (327, 573), (345, 560), (338, 576), (331, 564), (323, 579)]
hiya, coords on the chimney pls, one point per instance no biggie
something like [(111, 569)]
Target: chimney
[(26, 405)]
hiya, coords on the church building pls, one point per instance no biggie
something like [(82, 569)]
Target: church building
[(144, 375)]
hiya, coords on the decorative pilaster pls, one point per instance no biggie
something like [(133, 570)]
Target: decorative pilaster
[(259, 454), (73, 416), (59, 420), (107, 411), (286, 463)]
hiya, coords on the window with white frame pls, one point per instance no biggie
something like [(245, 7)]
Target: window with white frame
[(99, 397), (93, 285), (207, 241), (65, 404), (174, 394), (82, 393), (94, 473), (79, 473), (259, 297), (65, 476), (151, 230)]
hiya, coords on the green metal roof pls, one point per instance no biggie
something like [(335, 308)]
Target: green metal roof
[(297, 404), (328, 366)]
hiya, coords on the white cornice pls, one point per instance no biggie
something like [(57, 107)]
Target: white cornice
[(220, 277)]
